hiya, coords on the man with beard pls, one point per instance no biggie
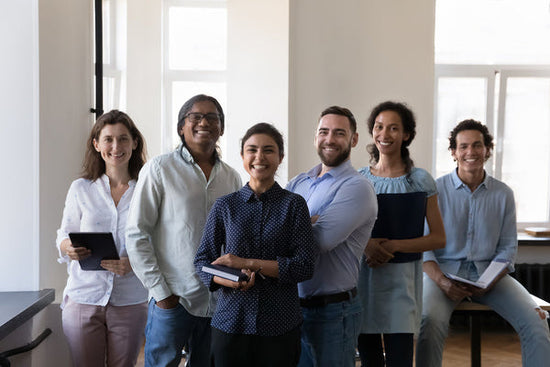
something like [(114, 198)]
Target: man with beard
[(343, 208)]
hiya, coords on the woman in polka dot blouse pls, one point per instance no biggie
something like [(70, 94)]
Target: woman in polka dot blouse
[(266, 232)]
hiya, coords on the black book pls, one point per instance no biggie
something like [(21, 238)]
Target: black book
[(401, 216), (102, 245), (235, 275)]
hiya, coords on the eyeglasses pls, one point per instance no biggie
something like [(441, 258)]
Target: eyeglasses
[(195, 117)]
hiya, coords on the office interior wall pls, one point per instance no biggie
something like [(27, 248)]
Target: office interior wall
[(357, 54), (19, 145), (66, 78)]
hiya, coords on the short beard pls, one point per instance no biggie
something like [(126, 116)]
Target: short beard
[(336, 161)]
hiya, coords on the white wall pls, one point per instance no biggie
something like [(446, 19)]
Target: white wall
[(357, 54), (144, 73), (257, 76), (19, 145), (65, 99)]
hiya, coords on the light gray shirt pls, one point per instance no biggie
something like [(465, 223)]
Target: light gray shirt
[(167, 215)]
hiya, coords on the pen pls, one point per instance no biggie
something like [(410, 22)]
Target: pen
[(259, 272)]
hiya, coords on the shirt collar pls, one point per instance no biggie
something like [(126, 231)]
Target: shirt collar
[(186, 154), (334, 172), (246, 193), (457, 182), (105, 179)]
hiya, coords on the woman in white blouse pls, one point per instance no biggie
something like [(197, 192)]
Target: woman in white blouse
[(104, 312)]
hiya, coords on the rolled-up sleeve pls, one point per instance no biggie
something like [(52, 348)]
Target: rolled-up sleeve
[(508, 241), (72, 215)]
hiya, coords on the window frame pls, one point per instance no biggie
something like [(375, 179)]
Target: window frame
[(171, 76)]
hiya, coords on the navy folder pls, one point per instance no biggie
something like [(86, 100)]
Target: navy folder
[(401, 216)]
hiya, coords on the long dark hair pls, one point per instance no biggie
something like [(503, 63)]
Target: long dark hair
[(94, 165), (409, 127)]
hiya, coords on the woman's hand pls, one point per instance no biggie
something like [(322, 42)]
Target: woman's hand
[(233, 261), (242, 285), (74, 253), (375, 252), (120, 267)]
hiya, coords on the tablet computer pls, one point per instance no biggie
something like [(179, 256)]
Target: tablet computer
[(102, 245)]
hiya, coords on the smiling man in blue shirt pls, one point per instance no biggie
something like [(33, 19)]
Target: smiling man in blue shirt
[(342, 204), (479, 215)]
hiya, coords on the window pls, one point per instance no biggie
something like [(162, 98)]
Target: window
[(114, 55), (498, 72), (194, 58)]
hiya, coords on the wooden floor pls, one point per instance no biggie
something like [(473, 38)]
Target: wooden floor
[(499, 347)]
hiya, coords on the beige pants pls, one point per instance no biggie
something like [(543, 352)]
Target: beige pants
[(101, 336)]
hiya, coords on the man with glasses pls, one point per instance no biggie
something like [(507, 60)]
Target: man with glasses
[(343, 206), (172, 198)]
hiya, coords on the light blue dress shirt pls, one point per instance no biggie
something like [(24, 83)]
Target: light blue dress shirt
[(346, 205), (480, 225)]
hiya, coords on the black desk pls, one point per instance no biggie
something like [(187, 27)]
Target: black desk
[(18, 307)]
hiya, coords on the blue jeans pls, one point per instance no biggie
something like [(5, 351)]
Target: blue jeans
[(169, 330), (508, 298), (329, 334)]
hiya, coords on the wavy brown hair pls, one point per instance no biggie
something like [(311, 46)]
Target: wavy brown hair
[(93, 166)]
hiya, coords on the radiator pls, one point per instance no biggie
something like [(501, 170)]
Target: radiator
[(535, 278)]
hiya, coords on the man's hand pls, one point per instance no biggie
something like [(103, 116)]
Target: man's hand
[(375, 253), (169, 302), (454, 290)]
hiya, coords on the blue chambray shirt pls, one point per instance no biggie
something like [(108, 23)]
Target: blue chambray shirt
[(480, 225), (347, 207), (273, 226)]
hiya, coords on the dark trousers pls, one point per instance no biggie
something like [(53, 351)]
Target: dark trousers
[(239, 350), (398, 349)]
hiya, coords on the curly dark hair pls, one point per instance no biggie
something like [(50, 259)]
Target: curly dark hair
[(471, 124), (409, 127), (93, 166)]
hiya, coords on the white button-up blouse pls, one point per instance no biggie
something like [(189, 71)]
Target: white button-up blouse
[(89, 207)]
